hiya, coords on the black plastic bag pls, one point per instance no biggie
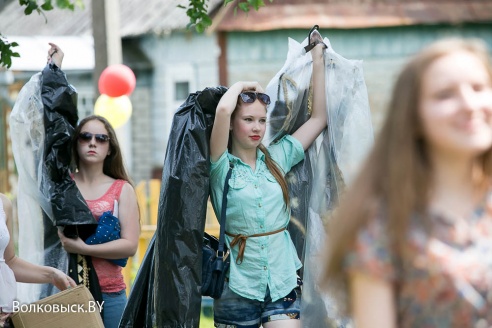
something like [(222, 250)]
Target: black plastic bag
[(182, 212), (60, 118), (139, 311), (167, 290), (69, 209)]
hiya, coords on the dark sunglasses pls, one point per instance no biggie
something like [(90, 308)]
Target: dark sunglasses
[(87, 137), (249, 97)]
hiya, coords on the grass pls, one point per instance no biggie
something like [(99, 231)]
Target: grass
[(207, 314), (206, 321)]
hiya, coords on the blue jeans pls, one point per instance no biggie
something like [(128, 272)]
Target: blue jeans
[(235, 310), (114, 304)]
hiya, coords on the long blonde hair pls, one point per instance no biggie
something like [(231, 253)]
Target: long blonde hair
[(394, 181)]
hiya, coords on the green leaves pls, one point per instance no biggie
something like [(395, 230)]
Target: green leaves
[(47, 5), (197, 11), (6, 52), (31, 5), (244, 6), (255, 4)]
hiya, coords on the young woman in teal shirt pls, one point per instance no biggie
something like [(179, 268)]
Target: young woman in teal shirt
[(261, 287)]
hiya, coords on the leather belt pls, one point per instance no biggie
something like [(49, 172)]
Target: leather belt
[(240, 240)]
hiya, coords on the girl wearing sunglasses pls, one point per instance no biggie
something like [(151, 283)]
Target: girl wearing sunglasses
[(105, 185), (102, 179), (262, 283)]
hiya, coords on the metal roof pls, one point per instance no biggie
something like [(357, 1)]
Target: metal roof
[(13, 21), (349, 14), (137, 17)]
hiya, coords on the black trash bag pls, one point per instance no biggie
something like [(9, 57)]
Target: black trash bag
[(139, 310), (182, 212), (60, 118), (69, 209)]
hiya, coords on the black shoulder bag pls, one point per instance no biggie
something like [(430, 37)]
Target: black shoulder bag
[(216, 260)]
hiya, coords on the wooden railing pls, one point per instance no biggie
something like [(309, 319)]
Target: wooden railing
[(148, 193)]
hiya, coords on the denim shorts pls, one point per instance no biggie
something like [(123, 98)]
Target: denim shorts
[(232, 310)]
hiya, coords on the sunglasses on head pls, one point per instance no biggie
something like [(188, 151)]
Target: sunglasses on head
[(87, 137), (249, 97)]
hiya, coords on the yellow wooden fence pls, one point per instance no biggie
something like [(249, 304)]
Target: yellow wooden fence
[(148, 192)]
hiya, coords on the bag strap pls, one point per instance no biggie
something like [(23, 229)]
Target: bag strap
[(220, 250)]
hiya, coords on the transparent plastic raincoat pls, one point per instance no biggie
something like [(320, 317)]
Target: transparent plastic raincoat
[(330, 163)]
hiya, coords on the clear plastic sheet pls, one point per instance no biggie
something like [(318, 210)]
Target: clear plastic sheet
[(27, 135), (331, 162)]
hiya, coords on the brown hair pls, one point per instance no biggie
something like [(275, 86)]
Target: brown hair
[(277, 173), (270, 163), (395, 180), (113, 163)]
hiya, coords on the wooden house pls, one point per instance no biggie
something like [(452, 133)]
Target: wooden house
[(171, 61)]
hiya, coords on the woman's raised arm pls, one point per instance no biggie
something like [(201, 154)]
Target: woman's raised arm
[(310, 130)]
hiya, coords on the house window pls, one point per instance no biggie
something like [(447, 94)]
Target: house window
[(182, 90)]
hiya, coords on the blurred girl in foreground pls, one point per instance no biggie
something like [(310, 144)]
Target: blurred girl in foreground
[(411, 243)]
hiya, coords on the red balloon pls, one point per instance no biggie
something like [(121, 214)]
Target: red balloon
[(117, 80)]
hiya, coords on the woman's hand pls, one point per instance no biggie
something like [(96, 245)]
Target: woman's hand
[(229, 100), (241, 86), (61, 281), (3, 317), (71, 245), (317, 53), (310, 130), (55, 55), (249, 86)]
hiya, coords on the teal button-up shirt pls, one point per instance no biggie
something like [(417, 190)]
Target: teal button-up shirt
[(255, 205)]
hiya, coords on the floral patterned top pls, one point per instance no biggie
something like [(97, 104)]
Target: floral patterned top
[(447, 282)]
